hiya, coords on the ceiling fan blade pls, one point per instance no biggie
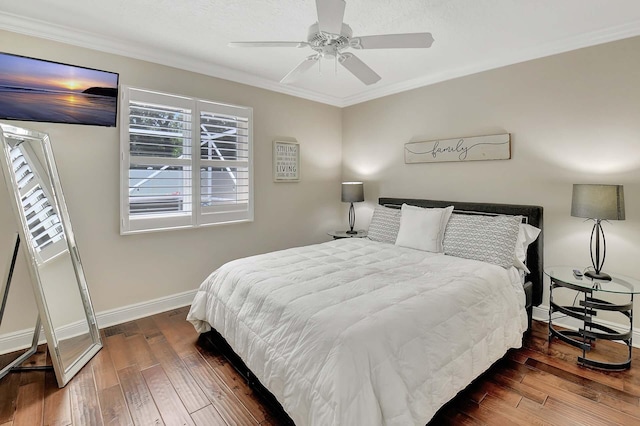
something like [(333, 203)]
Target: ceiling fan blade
[(393, 41), (268, 44), (303, 66), (330, 15), (359, 68)]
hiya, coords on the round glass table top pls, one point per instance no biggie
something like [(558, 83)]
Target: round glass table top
[(618, 284)]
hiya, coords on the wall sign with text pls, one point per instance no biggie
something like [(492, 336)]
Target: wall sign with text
[(492, 147), (286, 161)]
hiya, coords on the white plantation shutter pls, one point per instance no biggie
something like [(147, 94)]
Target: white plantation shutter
[(166, 181), (225, 162), (45, 230)]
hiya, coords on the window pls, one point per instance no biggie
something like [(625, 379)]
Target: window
[(185, 162)]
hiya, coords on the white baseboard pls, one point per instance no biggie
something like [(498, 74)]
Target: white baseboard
[(19, 340), (541, 313), (144, 309)]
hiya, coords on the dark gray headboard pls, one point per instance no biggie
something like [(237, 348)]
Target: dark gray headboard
[(533, 215)]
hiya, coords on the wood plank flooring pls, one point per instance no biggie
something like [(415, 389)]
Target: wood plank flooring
[(153, 371)]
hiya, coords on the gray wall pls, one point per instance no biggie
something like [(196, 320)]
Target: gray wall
[(573, 118), (124, 270)]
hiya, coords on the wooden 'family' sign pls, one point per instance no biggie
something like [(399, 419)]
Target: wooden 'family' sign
[(493, 147)]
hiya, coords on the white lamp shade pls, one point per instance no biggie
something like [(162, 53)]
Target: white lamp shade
[(352, 192), (604, 202)]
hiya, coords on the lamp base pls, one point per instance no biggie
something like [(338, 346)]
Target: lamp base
[(598, 276), (352, 220)]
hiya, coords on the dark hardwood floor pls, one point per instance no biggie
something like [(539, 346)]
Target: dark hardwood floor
[(153, 371)]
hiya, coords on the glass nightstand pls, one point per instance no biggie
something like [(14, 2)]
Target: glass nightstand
[(591, 303), (343, 234)]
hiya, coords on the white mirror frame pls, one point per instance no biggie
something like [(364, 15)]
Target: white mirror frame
[(63, 373)]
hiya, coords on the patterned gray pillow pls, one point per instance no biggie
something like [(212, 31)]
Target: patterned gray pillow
[(490, 239), (384, 225)]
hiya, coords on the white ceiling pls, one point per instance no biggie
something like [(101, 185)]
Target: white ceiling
[(470, 36)]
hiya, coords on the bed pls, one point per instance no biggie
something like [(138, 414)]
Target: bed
[(354, 331)]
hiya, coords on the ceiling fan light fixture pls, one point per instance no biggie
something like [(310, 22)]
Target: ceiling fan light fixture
[(330, 36)]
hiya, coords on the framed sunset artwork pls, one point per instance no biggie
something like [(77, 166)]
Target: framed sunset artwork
[(38, 90)]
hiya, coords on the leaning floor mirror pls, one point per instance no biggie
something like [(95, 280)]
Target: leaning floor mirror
[(46, 237)]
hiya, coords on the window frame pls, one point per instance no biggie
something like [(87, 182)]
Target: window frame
[(196, 218)]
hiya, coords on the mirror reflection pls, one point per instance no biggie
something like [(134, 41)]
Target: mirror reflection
[(55, 267)]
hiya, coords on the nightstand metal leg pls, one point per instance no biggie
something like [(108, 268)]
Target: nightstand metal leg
[(631, 329), (593, 329)]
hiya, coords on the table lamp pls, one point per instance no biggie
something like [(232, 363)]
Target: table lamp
[(352, 192), (598, 202)]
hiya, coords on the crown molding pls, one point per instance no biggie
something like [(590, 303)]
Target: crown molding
[(62, 34), (45, 30), (620, 32)]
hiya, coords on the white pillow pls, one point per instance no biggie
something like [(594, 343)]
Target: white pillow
[(526, 235), (423, 229)]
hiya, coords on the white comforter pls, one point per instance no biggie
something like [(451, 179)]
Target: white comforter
[(354, 332)]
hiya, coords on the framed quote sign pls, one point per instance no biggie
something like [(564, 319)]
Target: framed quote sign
[(286, 161)]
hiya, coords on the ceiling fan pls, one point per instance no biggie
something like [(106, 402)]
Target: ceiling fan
[(330, 36)]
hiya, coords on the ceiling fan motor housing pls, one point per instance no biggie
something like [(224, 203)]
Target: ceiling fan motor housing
[(326, 44)]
